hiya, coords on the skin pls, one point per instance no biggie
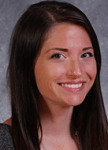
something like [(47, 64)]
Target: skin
[(66, 57), (8, 121)]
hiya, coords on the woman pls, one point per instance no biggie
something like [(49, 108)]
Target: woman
[(54, 80)]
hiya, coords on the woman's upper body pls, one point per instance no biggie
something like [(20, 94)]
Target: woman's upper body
[(54, 80)]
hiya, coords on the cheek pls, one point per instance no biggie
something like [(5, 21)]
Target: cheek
[(58, 73), (47, 75), (91, 69), (53, 71), (40, 76)]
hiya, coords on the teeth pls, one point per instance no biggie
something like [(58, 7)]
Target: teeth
[(72, 85)]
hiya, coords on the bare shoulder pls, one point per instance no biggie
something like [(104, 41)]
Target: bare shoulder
[(8, 121)]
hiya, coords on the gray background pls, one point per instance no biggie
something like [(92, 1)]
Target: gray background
[(11, 10)]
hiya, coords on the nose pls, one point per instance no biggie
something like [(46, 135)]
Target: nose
[(74, 69)]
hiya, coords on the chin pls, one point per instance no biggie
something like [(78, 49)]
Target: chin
[(75, 101)]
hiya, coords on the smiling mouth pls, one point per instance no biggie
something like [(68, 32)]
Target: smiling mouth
[(72, 85)]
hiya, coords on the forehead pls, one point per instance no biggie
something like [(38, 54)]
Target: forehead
[(67, 34), (65, 27)]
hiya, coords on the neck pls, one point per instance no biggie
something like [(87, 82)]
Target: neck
[(55, 120)]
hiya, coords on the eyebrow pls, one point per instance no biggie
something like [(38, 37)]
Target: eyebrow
[(87, 48), (60, 49), (65, 50)]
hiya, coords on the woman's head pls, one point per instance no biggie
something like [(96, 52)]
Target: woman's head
[(32, 28)]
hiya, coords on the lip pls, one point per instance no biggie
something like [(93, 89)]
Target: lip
[(73, 89)]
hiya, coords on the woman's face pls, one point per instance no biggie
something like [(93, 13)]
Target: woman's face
[(65, 69)]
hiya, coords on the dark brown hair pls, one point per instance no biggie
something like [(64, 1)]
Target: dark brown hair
[(89, 118)]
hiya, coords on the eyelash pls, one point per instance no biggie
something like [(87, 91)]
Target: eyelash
[(87, 53), (57, 56)]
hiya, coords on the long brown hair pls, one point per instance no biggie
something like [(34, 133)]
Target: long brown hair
[(89, 118)]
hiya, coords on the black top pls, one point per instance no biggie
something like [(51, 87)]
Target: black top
[(6, 142)]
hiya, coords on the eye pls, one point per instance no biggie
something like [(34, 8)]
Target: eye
[(86, 55), (57, 56)]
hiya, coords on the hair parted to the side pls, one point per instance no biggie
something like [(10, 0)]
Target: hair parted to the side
[(89, 118)]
